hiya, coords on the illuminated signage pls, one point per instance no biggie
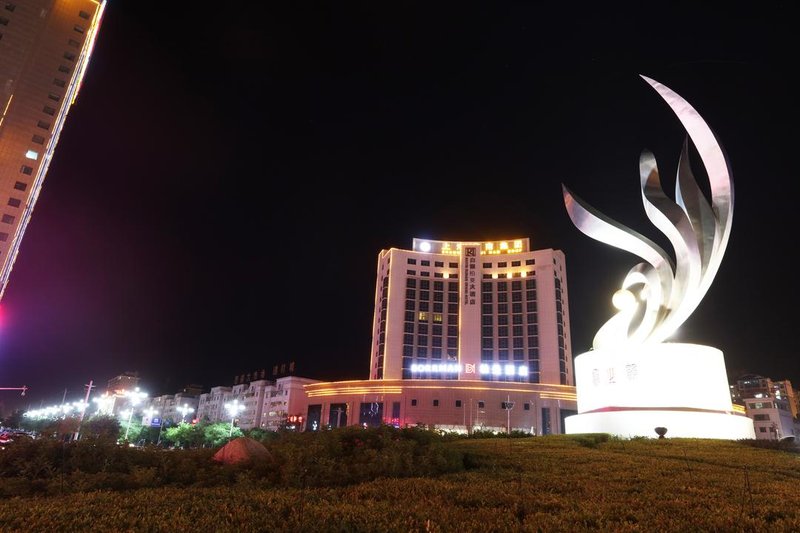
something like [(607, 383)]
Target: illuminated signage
[(470, 275), (450, 368), (484, 248), (497, 369)]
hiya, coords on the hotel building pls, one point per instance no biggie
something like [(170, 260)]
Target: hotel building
[(45, 47), (466, 335)]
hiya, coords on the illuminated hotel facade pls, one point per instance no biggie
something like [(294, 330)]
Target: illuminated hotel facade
[(45, 47), (466, 336)]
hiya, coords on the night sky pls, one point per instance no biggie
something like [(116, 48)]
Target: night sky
[(228, 176)]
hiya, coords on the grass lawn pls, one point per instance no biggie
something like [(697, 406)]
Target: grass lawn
[(555, 483)]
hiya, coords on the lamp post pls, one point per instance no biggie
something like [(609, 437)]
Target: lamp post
[(134, 397), (234, 408), (184, 410)]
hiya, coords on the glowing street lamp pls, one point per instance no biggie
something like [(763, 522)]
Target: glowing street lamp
[(184, 410), (134, 397), (234, 408)]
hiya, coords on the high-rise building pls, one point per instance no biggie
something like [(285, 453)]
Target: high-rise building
[(494, 311), (125, 382), (45, 46), (465, 335)]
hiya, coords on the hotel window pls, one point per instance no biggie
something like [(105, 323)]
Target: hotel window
[(49, 110), (84, 15), (14, 202), (37, 139), (58, 82), (411, 272), (413, 403), (26, 170), (74, 43), (516, 263), (458, 403), (530, 261), (526, 406), (436, 403), (425, 263), (79, 29), (502, 264), (425, 273), (452, 265), (8, 219), (69, 56), (10, 6), (3, 236), (44, 125), (411, 261), (4, 21), (481, 405), (63, 68), (487, 265)]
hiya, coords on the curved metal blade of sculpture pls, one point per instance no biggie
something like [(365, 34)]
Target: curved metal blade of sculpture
[(657, 296)]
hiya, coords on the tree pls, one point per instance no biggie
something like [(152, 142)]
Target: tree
[(14, 420), (101, 427), (183, 435), (219, 433)]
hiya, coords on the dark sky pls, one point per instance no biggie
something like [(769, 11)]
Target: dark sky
[(227, 177)]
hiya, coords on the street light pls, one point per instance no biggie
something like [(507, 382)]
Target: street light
[(234, 408), (134, 397), (184, 410)]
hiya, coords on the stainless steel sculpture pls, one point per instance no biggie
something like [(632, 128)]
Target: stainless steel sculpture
[(658, 295)]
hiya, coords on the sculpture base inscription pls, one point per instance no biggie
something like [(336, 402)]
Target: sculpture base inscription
[(630, 391)]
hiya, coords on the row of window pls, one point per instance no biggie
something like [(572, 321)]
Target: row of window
[(427, 274), (488, 355), (425, 284), (426, 263), (440, 264)]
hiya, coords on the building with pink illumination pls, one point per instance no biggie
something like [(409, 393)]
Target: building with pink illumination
[(45, 47), (466, 335)]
